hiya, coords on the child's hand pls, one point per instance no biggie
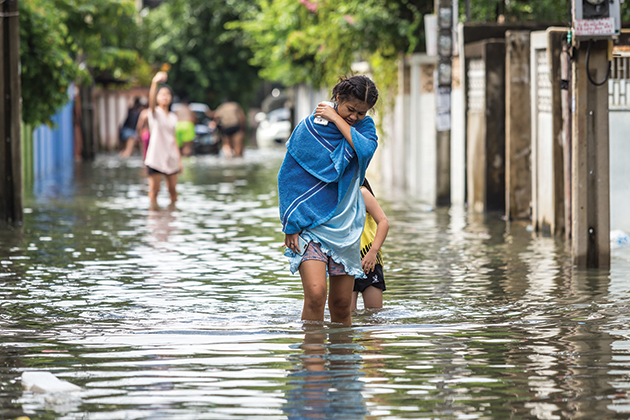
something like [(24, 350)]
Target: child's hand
[(325, 111), (369, 261), (160, 77)]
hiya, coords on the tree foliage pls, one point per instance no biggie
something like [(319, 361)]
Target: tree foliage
[(207, 63), (46, 65), (315, 42), (104, 35), (558, 11), (65, 41)]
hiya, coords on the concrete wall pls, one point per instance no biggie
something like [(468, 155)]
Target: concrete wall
[(548, 166), (542, 135), (407, 159), (485, 148), (306, 100), (619, 117), (458, 135)]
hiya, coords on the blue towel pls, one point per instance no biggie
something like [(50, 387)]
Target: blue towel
[(318, 170)]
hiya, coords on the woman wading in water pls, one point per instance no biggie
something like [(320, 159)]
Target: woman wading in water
[(321, 206), (163, 157)]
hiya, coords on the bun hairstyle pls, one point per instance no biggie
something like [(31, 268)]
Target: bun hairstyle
[(356, 88)]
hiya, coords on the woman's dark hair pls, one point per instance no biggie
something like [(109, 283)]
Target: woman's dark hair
[(366, 184), (356, 88)]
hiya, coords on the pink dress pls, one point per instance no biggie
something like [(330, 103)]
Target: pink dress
[(162, 153)]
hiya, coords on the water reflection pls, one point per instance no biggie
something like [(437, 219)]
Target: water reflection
[(192, 313), (324, 383)]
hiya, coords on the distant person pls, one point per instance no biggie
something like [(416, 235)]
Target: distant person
[(321, 207), (142, 131), (185, 129), (163, 156), (231, 120), (128, 129), (374, 234)]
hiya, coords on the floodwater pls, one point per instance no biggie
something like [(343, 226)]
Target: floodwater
[(192, 313)]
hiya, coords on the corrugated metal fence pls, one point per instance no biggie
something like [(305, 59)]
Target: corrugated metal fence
[(45, 150)]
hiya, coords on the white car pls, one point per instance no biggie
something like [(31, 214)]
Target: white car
[(274, 128)]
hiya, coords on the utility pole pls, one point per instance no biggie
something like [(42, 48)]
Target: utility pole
[(595, 23), (444, 12), (10, 115)]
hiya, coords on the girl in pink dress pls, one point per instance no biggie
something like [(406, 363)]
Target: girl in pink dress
[(163, 157)]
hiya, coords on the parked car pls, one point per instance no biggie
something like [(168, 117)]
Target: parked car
[(274, 128), (207, 139)]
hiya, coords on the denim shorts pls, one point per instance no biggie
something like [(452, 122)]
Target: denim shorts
[(314, 252)]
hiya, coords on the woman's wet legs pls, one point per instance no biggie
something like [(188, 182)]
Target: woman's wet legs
[(340, 299), (154, 189), (171, 183), (313, 273)]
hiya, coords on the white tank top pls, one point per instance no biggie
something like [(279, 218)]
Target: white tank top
[(162, 153)]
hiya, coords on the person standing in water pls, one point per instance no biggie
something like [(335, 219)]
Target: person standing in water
[(321, 206), (374, 234), (163, 157), (231, 119)]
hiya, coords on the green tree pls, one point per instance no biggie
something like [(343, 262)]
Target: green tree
[(46, 65), (104, 35), (517, 10), (65, 41), (315, 42), (207, 63), (525, 10)]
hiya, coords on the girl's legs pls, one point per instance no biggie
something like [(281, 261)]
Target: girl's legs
[(372, 298), (154, 188), (340, 299), (313, 273), (171, 183), (355, 298)]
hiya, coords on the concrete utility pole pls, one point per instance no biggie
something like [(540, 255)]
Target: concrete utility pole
[(595, 24), (444, 12), (10, 115), (590, 185)]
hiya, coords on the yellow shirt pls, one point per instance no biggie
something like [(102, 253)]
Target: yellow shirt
[(367, 238)]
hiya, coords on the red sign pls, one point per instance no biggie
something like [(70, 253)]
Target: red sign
[(595, 27)]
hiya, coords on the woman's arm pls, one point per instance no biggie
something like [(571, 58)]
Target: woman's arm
[(331, 115), (382, 227), (160, 77)]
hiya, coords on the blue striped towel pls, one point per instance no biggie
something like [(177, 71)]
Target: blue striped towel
[(318, 169)]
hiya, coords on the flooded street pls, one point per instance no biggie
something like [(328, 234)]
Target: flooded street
[(192, 313)]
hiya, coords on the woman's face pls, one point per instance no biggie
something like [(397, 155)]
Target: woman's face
[(164, 97), (353, 110)]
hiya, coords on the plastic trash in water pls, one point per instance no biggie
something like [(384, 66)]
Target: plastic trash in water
[(46, 382), (619, 239)]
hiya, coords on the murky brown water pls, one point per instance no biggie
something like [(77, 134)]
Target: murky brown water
[(192, 313)]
